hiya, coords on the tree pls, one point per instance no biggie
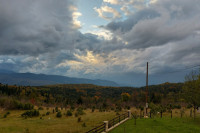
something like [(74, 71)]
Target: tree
[(125, 97), (192, 89)]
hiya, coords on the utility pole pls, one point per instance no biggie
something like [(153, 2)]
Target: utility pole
[(147, 90)]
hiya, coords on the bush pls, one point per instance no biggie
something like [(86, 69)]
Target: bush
[(155, 108), (80, 111), (47, 113), (56, 109), (69, 113), (84, 125), (5, 115), (31, 113), (59, 114), (79, 119), (8, 113)]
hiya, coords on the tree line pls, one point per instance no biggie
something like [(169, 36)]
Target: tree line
[(173, 95)]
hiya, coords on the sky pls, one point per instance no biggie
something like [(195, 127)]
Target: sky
[(101, 39)]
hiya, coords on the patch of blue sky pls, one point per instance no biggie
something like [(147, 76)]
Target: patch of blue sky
[(89, 16)]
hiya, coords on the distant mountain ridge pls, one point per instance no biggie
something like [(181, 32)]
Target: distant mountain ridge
[(26, 79)]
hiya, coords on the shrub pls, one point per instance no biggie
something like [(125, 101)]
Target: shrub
[(69, 113), (59, 114), (155, 108), (79, 119), (8, 113), (56, 109), (31, 113), (5, 115), (47, 113), (79, 111), (84, 125)]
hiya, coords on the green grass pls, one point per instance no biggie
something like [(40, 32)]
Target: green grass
[(158, 125)]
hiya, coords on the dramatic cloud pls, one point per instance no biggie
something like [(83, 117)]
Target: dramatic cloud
[(42, 36), (35, 27), (162, 23)]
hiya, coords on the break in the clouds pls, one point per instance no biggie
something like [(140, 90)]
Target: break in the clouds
[(104, 10), (45, 37)]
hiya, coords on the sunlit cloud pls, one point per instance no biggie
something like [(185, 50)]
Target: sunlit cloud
[(101, 33), (106, 9), (126, 10), (75, 15)]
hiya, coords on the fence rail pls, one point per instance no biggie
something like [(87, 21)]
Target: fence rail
[(110, 124), (117, 119), (98, 129)]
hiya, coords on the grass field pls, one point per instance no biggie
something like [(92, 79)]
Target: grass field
[(14, 123), (159, 125)]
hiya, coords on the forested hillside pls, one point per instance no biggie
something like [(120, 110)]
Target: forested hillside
[(89, 96)]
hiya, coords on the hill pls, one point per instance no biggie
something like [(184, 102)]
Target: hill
[(31, 79)]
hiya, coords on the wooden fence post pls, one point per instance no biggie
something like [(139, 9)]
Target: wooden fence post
[(106, 126), (129, 114), (171, 113)]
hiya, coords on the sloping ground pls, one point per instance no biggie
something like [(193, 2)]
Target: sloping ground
[(14, 123), (158, 125)]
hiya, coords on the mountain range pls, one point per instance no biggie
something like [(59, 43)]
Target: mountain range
[(31, 79)]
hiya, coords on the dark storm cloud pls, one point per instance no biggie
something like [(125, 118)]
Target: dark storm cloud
[(166, 21), (36, 36), (127, 25), (35, 27)]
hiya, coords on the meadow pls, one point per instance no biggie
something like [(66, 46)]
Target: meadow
[(14, 123)]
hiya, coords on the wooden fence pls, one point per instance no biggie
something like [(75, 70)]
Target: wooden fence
[(110, 124), (98, 129), (117, 119)]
